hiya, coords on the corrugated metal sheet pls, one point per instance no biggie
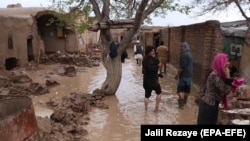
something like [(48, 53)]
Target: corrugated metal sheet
[(234, 31)]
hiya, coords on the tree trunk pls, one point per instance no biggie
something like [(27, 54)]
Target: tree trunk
[(113, 66), (114, 71)]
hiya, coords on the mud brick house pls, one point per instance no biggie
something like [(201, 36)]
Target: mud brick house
[(208, 38), (205, 40), (26, 36), (150, 35)]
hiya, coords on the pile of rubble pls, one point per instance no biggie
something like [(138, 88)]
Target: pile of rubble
[(16, 82), (12, 83), (239, 113), (239, 107), (69, 116), (77, 59), (70, 112)]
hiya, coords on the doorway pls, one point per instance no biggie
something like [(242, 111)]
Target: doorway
[(156, 40), (30, 48), (10, 63)]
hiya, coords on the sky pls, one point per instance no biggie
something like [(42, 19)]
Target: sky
[(172, 19)]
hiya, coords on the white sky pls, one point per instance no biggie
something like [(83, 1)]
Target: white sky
[(172, 19)]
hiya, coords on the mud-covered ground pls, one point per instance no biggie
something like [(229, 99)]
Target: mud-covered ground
[(69, 112)]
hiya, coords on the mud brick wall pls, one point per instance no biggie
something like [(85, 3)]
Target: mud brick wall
[(148, 38), (205, 40)]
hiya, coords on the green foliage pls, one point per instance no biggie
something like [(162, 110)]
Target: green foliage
[(169, 6), (119, 9), (83, 26), (57, 20), (68, 13)]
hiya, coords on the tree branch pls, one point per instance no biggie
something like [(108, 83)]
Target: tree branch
[(138, 17), (77, 6), (105, 10), (241, 10), (96, 9), (112, 24), (154, 4)]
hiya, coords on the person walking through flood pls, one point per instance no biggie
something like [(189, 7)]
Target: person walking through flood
[(184, 74), (162, 54), (138, 51), (218, 85), (150, 66), (124, 56)]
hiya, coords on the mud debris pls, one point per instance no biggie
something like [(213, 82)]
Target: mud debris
[(70, 113)]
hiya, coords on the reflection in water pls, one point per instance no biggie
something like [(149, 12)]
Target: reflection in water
[(121, 122)]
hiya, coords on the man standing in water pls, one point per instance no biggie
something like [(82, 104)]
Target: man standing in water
[(184, 74), (150, 66), (162, 54), (138, 50)]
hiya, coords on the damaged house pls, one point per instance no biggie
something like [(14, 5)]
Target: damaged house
[(26, 36), (205, 40)]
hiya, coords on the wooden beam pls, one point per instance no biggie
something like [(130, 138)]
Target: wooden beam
[(112, 24)]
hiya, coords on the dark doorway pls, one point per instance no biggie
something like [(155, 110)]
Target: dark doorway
[(30, 48), (10, 63), (156, 40)]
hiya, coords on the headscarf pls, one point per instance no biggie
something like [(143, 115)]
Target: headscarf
[(185, 45), (219, 64)]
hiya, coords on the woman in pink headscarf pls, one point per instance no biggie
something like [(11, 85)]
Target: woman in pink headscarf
[(218, 85)]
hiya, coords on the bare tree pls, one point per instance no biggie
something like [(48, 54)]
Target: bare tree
[(207, 6), (123, 12)]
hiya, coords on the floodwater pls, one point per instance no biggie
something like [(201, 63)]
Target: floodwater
[(122, 121)]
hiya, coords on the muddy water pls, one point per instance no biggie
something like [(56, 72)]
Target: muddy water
[(121, 122), (126, 113)]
